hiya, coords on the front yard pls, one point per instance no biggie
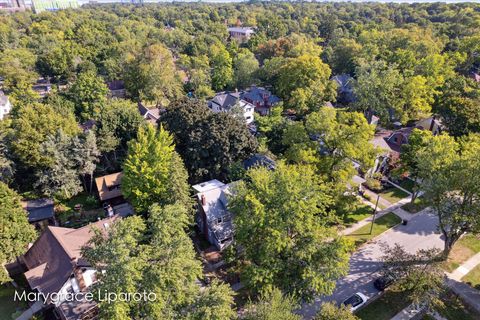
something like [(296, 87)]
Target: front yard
[(473, 278), (393, 301), (7, 306), (380, 225), (464, 249), (393, 194), (360, 212)]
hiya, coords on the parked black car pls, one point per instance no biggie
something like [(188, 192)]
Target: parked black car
[(383, 282)]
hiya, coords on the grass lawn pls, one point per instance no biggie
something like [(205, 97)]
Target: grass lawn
[(381, 225), (7, 305), (385, 307), (68, 216), (417, 206), (465, 248), (393, 194), (361, 212), (473, 278), (454, 309)]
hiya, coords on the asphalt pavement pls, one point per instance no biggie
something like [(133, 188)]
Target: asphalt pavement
[(421, 232)]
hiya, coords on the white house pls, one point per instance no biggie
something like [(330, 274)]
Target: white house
[(229, 101), (213, 218), (5, 105), (240, 34)]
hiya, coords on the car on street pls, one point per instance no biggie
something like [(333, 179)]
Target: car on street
[(356, 301), (384, 282)]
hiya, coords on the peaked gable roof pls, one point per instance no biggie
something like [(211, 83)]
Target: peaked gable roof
[(54, 255)]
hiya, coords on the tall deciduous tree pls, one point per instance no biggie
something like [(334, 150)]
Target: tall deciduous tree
[(304, 83), (281, 220), (89, 93), (32, 126), (158, 257), (343, 137), (221, 64), (208, 142), (152, 76), (60, 175), (449, 171), (153, 171), (245, 65), (15, 231), (272, 306), (330, 311)]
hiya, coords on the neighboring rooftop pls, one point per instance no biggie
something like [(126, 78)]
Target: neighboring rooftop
[(244, 30), (109, 186), (259, 160), (54, 255), (39, 209), (208, 185)]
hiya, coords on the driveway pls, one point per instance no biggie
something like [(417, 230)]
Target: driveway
[(420, 233)]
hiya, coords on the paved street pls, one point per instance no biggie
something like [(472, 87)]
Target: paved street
[(419, 233)]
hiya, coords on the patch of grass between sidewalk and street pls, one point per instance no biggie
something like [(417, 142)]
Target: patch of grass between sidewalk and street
[(380, 225), (384, 308), (473, 277), (464, 249)]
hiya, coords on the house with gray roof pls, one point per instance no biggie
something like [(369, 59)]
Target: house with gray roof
[(261, 98), (213, 218), (226, 102), (241, 34), (149, 114), (41, 212)]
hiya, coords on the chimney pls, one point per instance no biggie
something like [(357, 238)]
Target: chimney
[(204, 200), (432, 123)]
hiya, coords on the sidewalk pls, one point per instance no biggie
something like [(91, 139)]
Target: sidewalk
[(465, 268), (395, 208), (468, 294)]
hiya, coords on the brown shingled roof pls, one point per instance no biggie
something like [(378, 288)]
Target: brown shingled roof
[(109, 186), (53, 256)]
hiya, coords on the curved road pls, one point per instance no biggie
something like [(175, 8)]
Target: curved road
[(421, 232)]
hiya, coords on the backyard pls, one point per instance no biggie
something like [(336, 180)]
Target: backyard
[(69, 216)]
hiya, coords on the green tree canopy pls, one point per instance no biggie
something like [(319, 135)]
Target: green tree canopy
[(272, 306), (89, 93), (32, 126), (15, 231), (153, 171), (281, 220)]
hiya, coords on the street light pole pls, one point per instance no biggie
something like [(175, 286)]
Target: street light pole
[(374, 214)]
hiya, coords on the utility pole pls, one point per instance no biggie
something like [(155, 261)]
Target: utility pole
[(374, 214)]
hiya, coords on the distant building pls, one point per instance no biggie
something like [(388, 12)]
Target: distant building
[(5, 105), (345, 92), (55, 265), (53, 5), (117, 88), (108, 187), (213, 218), (259, 160), (41, 212), (225, 102), (150, 114), (261, 98), (241, 34)]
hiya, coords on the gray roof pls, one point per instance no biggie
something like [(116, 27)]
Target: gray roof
[(40, 209), (225, 100), (215, 208), (241, 29), (3, 99), (259, 160), (259, 94)]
